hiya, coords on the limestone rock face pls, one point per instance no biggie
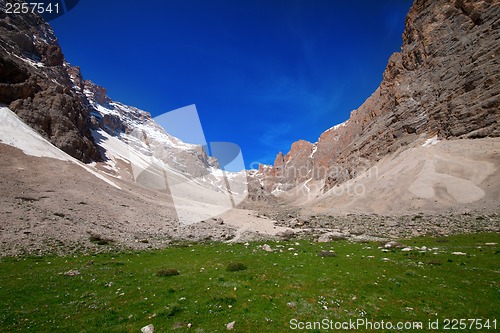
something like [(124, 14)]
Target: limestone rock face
[(127, 123), (35, 83), (445, 81), (98, 92), (52, 97)]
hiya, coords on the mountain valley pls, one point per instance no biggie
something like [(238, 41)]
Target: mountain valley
[(81, 172)]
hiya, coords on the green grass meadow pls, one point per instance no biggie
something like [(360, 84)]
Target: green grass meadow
[(122, 292)]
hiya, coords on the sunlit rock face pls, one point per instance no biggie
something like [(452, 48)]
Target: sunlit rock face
[(35, 83), (444, 82)]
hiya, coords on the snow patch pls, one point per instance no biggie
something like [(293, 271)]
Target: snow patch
[(276, 191), (338, 126), (315, 148), (305, 185), (36, 64), (14, 132), (431, 141)]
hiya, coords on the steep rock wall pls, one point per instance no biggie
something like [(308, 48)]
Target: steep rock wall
[(445, 81)]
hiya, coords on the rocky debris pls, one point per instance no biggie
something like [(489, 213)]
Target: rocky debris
[(30, 227), (72, 272), (148, 329), (393, 245), (218, 220), (443, 82), (332, 236), (329, 253), (402, 226), (324, 238), (286, 235), (90, 208)]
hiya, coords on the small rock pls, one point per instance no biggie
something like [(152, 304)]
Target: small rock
[(148, 329), (230, 326), (415, 233), (392, 245), (459, 253), (291, 304), (339, 235), (287, 234), (324, 238), (266, 248), (490, 244), (406, 249), (72, 272), (357, 231), (332, 236), (324, 253)]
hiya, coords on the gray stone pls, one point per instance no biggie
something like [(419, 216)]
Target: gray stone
[(148, 329)]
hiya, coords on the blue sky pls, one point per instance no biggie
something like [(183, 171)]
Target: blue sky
[(262, 73)]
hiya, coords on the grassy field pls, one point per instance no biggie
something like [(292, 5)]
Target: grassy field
[(122, 292)]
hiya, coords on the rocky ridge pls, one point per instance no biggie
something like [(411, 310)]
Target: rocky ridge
[(136, 129), (444, 82), (51, 96), (34, 83)]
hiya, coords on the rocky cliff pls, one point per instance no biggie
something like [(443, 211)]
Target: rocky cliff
[(51, 96), (137, 129), (34, 82), (444, 82)]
